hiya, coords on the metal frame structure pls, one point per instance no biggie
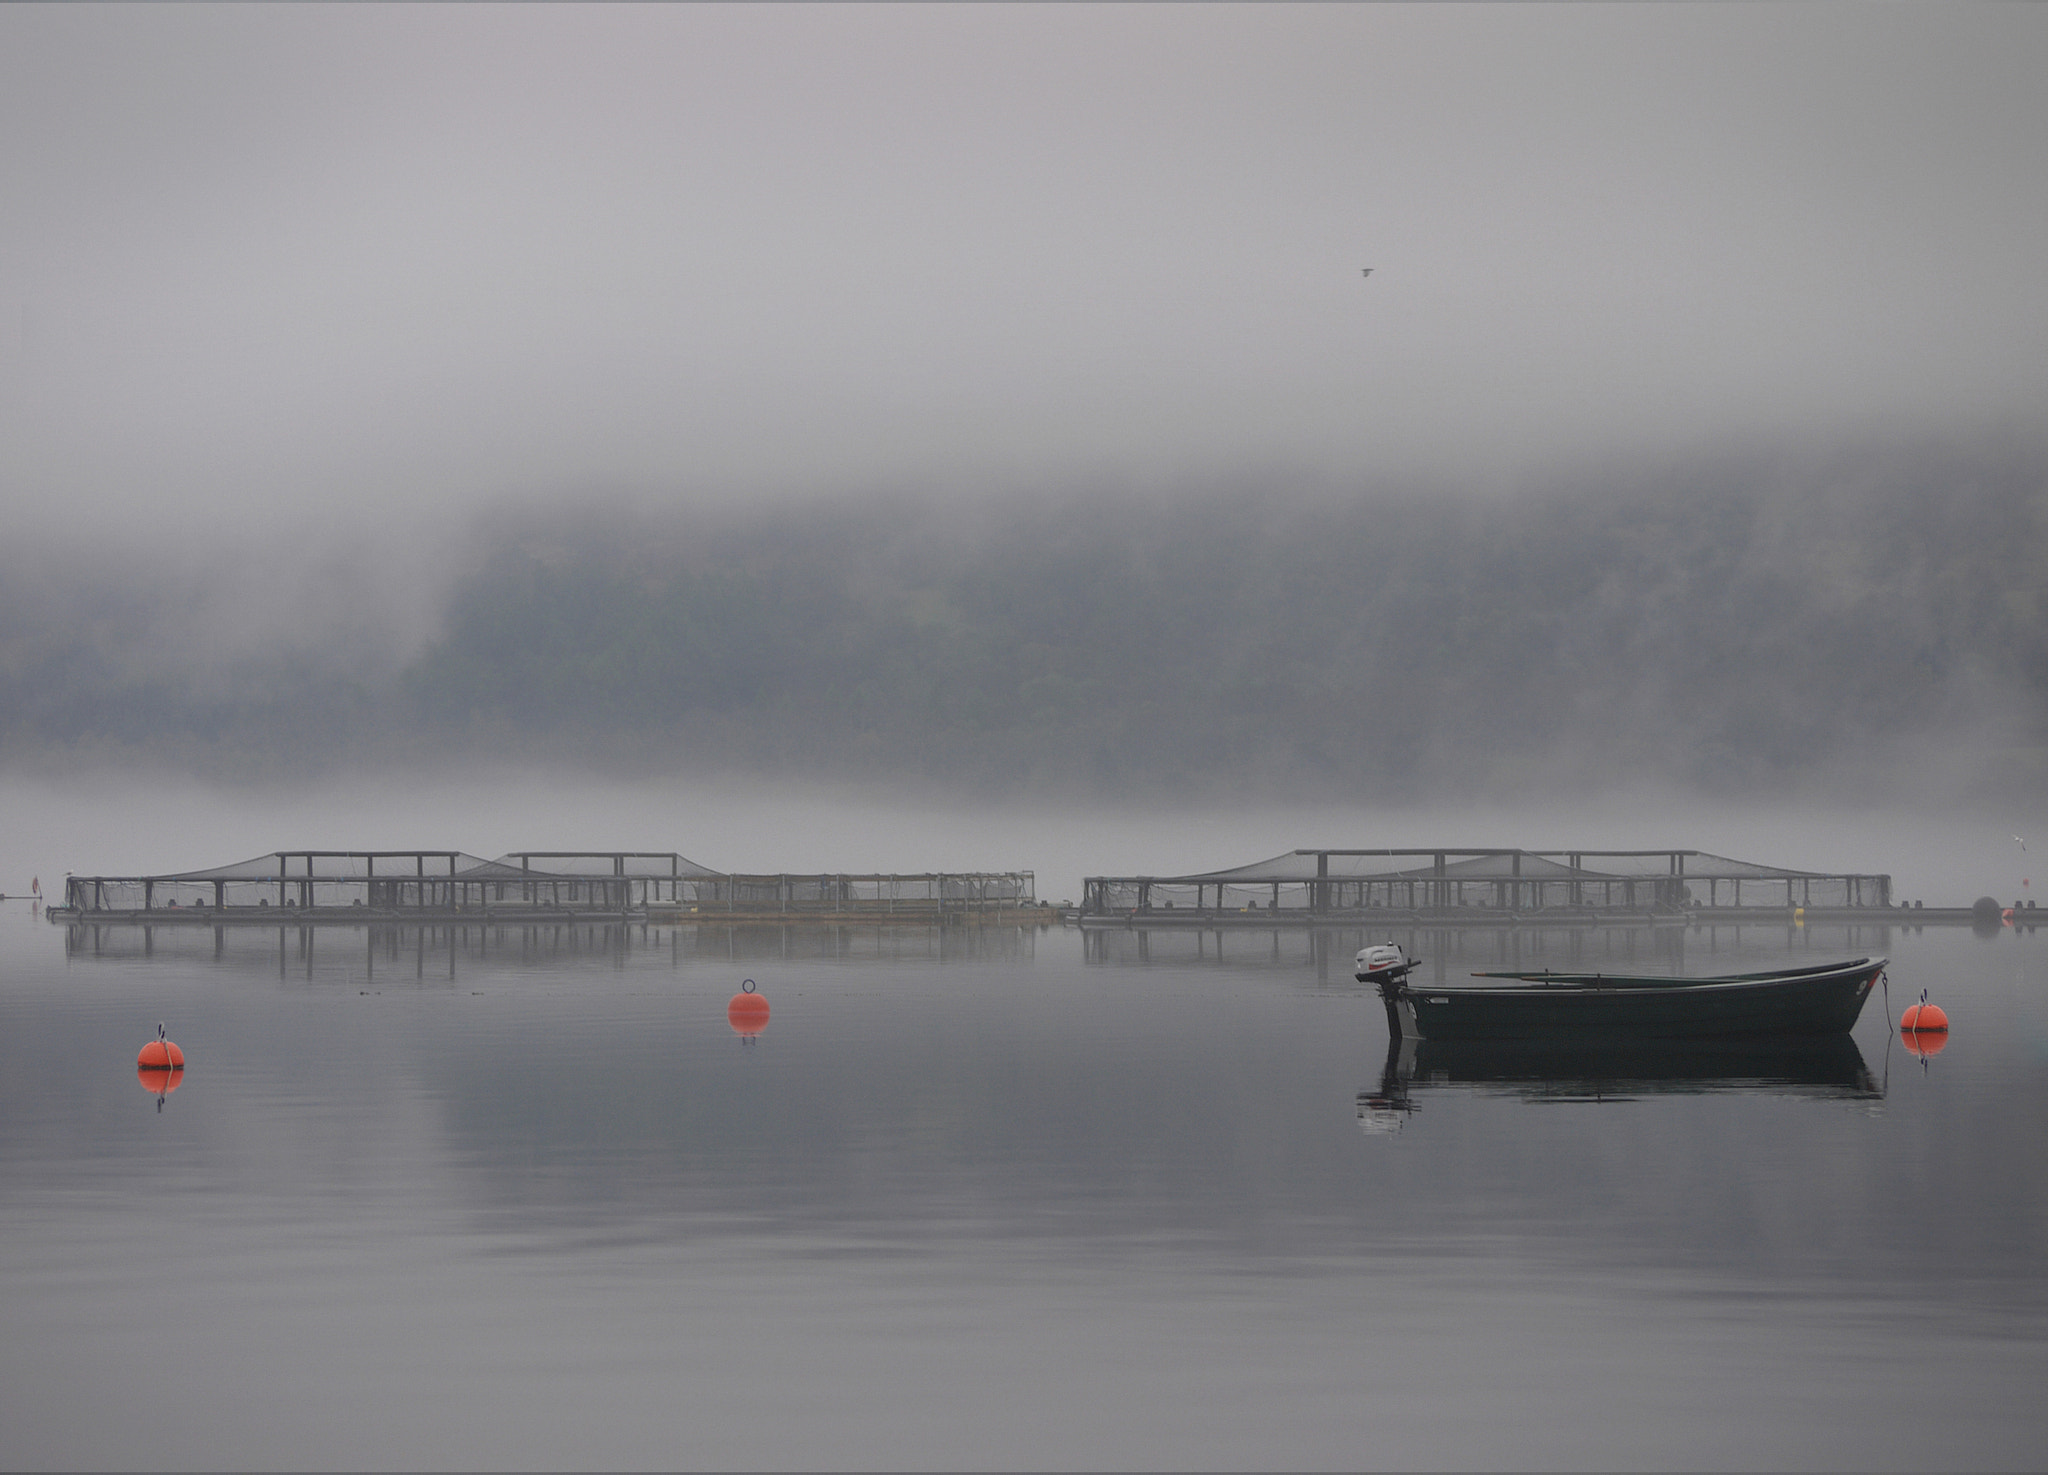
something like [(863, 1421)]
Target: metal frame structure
[(412, 884), (1449, 879)]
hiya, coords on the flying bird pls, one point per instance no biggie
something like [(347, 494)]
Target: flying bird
[(1368, 271)]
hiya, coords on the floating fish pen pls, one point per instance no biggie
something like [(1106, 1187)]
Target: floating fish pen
[(451, 885), (1474, 886)]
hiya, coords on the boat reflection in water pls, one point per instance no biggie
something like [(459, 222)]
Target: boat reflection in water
[(1558, 1071)]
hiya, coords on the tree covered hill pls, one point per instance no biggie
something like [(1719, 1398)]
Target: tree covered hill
[(1762, 624), (1726, 628)]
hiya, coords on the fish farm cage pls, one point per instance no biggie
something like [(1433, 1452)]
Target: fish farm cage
[(411, 884), (1304, 884)]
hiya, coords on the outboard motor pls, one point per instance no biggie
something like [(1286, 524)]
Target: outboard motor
[(1382, 962), (1385, 964)]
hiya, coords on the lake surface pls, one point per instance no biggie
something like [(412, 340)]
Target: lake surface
[(1004, 1198)]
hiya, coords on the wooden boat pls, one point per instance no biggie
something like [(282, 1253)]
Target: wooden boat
[(1822, 1000)]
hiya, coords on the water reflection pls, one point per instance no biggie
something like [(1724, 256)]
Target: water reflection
[(1923, 1045), (1550, 1072), (993, 1190), (159, 1082), (1452, 952), (439, 953)]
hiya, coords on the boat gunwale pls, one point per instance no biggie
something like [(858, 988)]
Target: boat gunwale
[(1556, 984)]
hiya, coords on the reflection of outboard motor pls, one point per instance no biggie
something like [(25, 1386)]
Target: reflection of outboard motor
[(1381, 1112), (1385, 964)]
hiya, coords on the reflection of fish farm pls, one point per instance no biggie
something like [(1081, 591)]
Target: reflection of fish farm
[(1479, 885), (417, 885), (297, 947), (1450, 948)]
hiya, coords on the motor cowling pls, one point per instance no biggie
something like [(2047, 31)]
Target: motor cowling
[(1380, 962)]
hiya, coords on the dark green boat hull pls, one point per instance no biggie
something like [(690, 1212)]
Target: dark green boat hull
[(1804, 1001)]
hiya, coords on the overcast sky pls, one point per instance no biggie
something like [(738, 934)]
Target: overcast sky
[(396, 259)]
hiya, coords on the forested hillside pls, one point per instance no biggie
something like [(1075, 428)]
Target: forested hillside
[(1725, 626)]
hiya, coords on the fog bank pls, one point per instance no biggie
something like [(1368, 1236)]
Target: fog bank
[(391, 259), (1765, 624)]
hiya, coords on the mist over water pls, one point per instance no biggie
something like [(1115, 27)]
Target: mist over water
[(996, 403), (387, 261), (1779, 625), (858, 439), (129, 825)]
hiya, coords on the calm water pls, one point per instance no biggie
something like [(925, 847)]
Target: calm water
[(995, 1200)]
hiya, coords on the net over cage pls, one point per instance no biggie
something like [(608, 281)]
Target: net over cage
[(849, 892), (1517, 880), (622, 878), (282, 878), (454, 880)]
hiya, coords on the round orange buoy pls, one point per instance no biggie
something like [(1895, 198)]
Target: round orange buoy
[(748, 1011), (160, 1067), (160, 1053), (1924, 1019), (159, 1080)]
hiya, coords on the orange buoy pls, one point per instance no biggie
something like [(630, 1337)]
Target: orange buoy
[(160, 1067), (748, 1011), (160, 1053), (1924, 1019), (159, 1080)]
